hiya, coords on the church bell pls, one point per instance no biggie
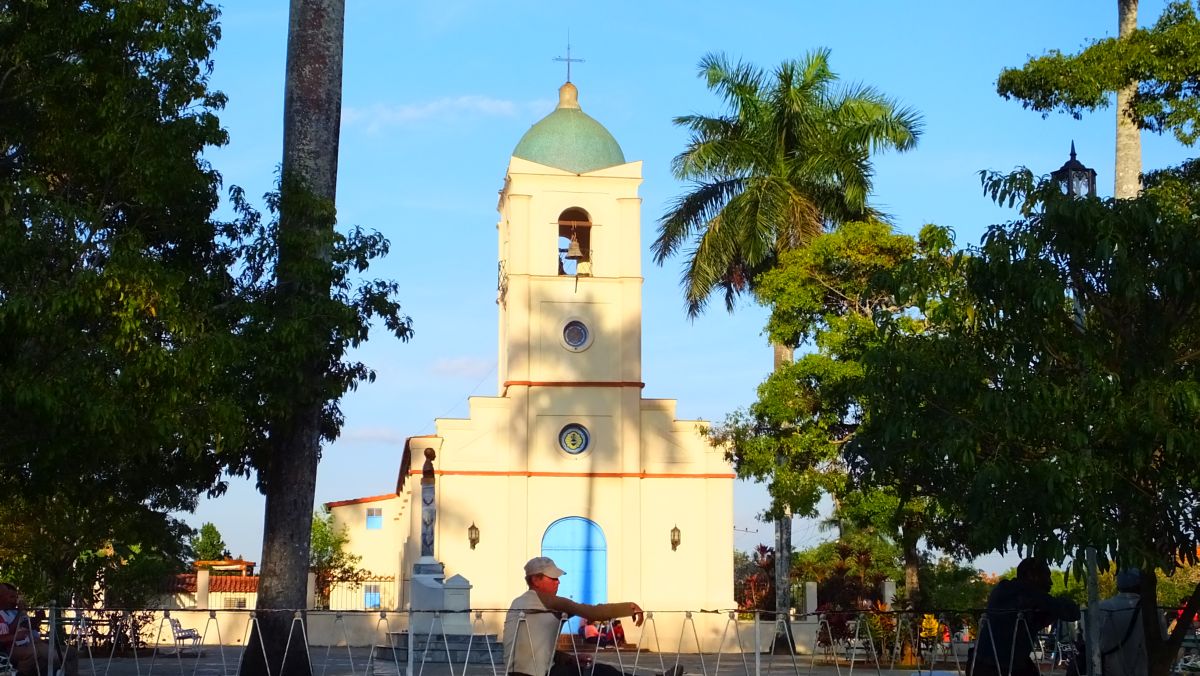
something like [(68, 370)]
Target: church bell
[(574, 253)]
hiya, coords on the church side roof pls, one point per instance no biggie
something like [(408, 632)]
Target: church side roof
[(360, 501)]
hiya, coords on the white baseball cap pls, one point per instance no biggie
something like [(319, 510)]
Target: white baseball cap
[(543, 565)]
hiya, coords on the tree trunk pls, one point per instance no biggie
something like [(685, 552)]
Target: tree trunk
[(912, 568), (1091, 620), (783, 545), (783, 355), (1163, 653), (312, 120), (1128, 175)]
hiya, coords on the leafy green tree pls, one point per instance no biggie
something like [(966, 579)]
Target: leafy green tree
[(118, 313), (743, 568), (145, 347), (208, 545), (790, 157), (1061, 384), (1161, 64), (328, 558), (1175, 587), (1073, 586), (754, 578), (134, 579), (850, 570), (948, 585), (110, 554), (792, 437)]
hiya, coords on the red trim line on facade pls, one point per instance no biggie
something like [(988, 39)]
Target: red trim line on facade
[(572, 383), (587, 475), (359, 501)]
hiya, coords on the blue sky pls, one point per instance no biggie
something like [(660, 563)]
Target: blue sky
[(437, 94)]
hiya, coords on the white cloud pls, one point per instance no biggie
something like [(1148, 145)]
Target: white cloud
[(379, 115), (461, 367), (371, 435)]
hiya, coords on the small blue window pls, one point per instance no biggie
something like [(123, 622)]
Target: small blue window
[(372, 598), (374, 518)]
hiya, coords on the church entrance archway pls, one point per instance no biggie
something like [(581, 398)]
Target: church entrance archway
[(577, 545)]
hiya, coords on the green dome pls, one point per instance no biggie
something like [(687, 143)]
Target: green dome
[(569, 139)]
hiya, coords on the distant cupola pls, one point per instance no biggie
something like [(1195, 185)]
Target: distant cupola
[(570, 139)]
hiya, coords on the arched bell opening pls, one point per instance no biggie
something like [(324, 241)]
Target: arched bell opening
[(575, 243)]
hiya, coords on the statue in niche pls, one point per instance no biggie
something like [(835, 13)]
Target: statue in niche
[(428, 510)]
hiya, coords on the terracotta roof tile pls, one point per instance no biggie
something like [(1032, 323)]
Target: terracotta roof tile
[(233, 584), (183, 583)]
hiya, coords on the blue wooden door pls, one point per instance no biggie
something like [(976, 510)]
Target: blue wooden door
[(577, 545)]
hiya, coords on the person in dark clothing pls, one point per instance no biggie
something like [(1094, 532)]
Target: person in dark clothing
[(1016, 610)]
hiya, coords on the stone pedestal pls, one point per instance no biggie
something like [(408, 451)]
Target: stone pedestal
[(439, 606), (457, 605), (429, 567), (426, 594)]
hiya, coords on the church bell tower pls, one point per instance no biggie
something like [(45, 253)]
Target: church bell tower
[(570, 287)]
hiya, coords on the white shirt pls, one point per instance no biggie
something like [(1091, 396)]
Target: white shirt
[(529, 640)]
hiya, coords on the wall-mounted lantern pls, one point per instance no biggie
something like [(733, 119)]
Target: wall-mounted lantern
[(675, 538), (473, 535)]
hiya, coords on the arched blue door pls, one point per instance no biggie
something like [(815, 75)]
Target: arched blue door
[(577, 545)]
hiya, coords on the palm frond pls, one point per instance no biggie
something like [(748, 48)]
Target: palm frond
[(691, 213), (810, 76), (740, 84), (708, 269), (715, 157)]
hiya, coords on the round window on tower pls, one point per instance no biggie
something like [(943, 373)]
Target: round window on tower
[(576, 336), (574, 439)]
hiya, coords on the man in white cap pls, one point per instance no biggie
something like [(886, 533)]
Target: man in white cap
[(532, 624)]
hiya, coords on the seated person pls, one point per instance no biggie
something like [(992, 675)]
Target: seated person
[(618, 633), (19, 641), (591, 632), (532, 623)]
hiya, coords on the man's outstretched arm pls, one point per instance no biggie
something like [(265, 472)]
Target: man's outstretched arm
[(602, 611)]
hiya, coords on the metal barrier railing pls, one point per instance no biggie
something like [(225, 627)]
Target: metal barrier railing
[(105, 642)]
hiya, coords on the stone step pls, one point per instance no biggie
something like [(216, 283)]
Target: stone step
[(461, 648), (439, 657), (400, 639)]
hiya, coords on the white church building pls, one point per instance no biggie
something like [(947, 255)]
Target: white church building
[(567, 460)]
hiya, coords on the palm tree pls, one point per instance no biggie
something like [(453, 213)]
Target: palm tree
[(791, 158), (311, 123), (1129, 138)]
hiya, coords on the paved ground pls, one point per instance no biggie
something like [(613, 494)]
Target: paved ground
[(359, 661)]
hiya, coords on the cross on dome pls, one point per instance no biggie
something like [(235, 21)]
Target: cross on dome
[(568, 60)]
